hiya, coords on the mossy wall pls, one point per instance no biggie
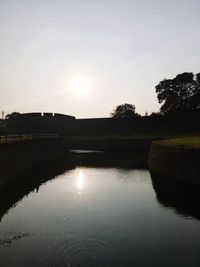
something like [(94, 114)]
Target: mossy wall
[(177, 161)]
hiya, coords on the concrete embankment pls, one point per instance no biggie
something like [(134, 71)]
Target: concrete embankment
[(111, 144), (17, 157), (125, 152), (177, 161)]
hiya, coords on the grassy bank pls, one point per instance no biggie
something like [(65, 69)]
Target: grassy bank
[(137, 143), (193, 141), (177, 158)]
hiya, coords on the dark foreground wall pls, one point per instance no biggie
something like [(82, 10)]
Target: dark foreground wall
[(17, 157), (175, 161)]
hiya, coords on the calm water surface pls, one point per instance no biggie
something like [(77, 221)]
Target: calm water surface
[(100, 217)]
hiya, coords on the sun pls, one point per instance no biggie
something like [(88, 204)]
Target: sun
[(80, 84)]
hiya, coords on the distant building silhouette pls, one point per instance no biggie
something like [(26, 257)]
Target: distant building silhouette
[(41, 123)]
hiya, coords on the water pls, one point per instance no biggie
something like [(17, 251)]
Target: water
[(90, 216)]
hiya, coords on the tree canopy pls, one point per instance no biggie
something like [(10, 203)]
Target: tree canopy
[(179, 95), (12, 115), (124, 111)]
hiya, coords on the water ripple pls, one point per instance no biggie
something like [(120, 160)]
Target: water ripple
[(81, 253)]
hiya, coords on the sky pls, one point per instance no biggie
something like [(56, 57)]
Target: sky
[(85, 57)]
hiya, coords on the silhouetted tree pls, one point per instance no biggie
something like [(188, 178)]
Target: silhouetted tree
[(181, 94), (12, 115), (124, 111), (12, 121)]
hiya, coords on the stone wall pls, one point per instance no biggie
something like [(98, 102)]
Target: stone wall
[(177, 161), (41, 123), (17, 157)]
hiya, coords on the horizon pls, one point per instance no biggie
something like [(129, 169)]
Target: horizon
[(84, 59)]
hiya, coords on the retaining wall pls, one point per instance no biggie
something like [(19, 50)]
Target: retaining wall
[(17, 157), (177, 161)]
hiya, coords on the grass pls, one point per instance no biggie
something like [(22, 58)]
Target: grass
[(193, 141)]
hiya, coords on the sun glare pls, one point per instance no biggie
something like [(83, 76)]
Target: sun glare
[(80, 84)]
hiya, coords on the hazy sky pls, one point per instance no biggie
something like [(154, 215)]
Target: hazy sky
[(84, 57)]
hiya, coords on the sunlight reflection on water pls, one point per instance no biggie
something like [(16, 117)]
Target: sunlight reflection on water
[(99, 217), (80, 181)]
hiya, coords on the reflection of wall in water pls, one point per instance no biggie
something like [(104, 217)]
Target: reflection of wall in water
[(25, 182), (183, 197)]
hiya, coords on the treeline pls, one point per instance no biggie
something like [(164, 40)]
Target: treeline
[(179, 111), (180, 95)]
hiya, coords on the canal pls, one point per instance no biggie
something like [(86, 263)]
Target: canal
[(99, 216)]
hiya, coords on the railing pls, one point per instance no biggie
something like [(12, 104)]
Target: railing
[(12, 138)]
